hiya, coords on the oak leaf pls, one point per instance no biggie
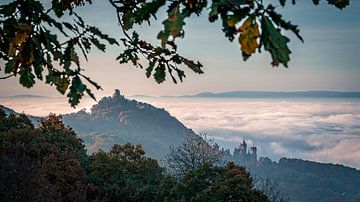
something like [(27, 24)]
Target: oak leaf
[(249, 33)]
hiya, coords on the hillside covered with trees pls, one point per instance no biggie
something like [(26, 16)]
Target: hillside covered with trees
[(304, 180), (50, 163), (118, 120)]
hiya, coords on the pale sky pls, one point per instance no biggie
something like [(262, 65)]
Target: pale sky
[(328, 60)]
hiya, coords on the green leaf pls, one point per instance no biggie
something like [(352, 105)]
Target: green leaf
[(10, 66), (103, 36), (277, 19), (282, 2), (180, 73), (147, 10), (236, 17), (150, 68), (70, 55), (339, 3), (8, 9), (60, 80), (60, 6), (316, 2), (173, 26), (213, 15), (159, 74), (196, 67), (54, 23), (38, 68), (240, 2), (62, 84), (27, 79), (98, 44), (88, 91), (274, 42), (77, 89)]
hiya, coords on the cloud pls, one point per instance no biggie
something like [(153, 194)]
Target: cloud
[(43, 106), (320, 130)]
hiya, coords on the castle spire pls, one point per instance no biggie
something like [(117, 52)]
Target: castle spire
[(117, 93), (243, 142)]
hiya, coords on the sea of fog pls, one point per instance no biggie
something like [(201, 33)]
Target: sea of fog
[(325, 130)]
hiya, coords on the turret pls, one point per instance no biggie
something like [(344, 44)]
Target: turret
[(253, 153), (117, 93), (243, 147)]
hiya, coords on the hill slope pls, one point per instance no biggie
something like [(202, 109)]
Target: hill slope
[(119, 120), (310, 181)]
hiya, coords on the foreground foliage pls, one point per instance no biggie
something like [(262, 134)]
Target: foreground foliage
[(30, 33), (50, 163)]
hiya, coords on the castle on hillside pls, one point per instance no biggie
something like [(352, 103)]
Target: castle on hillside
[(241, 154)]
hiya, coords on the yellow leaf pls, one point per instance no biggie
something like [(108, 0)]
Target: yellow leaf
[(248, 37), (22, 33), (245, 25)]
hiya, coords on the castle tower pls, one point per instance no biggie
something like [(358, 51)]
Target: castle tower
[(243, 152), (243, 148), (117, 93), (253, 153)]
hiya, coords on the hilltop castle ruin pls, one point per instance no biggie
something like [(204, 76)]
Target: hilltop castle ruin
[(241, 154)]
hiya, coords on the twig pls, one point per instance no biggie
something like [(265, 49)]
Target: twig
[(6, 77)]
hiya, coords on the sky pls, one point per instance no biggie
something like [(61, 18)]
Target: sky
[(328, 60)]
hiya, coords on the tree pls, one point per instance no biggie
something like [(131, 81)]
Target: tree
[(195, 151), (213, 183), (30, 47), (272, 189), (13, 122), (43, 163), (125, 174)]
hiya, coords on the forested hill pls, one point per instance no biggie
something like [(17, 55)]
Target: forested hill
[(117, 120), (310, 181)]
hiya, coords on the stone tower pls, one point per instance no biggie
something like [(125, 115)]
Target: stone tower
[(253, 153), (243, 148), (117, 93)]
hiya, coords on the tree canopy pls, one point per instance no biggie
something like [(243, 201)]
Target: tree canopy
[(30, 32), (50, 163)]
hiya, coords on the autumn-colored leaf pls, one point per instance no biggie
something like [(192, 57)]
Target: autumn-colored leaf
[(22, 33), (249, 33)]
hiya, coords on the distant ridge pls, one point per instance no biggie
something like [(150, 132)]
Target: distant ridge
[(274, 94), (25, 96), (33, 119)]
